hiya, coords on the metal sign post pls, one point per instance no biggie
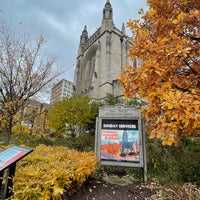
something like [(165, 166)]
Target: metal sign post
[(120, 139)]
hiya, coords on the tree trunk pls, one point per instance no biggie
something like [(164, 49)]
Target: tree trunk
[(8, 133), (7, 137)]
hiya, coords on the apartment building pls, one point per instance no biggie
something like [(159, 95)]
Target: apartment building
[(62, 89)]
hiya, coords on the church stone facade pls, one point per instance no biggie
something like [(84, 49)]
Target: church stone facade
[(101, 58)]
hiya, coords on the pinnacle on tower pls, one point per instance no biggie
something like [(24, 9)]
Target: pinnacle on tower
[(123, 29), (107, 11), (84, 35), (107, 22)]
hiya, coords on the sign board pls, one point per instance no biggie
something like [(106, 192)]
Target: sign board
[(8, 160), (12, 155), (119, 111), (120, 137)]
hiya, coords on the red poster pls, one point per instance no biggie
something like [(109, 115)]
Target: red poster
[(120, 140)]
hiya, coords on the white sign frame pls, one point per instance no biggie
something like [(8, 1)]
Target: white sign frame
[(121, 116)]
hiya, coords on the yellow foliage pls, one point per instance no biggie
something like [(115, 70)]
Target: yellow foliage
[(151, 12), (20, 129), (179, 18), (48, 172), (169, 76)]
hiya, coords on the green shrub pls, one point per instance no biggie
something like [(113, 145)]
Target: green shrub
[(30, 140), (174, 164), (84, 142), (189, 167)]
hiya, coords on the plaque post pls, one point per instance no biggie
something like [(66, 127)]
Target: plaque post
[(9, 181)]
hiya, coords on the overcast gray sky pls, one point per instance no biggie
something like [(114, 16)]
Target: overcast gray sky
[(62, 21)]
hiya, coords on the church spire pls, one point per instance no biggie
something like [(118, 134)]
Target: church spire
[(107, 11), (83, 40), (123, 29), (107, 22), (84, 36)]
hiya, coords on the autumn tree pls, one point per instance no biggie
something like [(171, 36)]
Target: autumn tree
[(56, 117), (23, 73), (75, 114), (34, 114), (167, 39)]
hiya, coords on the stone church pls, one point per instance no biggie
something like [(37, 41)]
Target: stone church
[(101, 58)]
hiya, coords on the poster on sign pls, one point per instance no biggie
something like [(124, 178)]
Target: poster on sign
[(120, 140)]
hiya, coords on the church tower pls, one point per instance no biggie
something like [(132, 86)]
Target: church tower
[(101, 58)]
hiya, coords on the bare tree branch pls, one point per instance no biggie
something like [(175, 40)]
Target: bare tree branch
[(23, 73)]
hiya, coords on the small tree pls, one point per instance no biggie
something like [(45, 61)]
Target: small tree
[(77, 112), (167, 40), (56, 117), (23, 73)]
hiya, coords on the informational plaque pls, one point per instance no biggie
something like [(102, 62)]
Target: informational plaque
[(12, 155), (8, 159)]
